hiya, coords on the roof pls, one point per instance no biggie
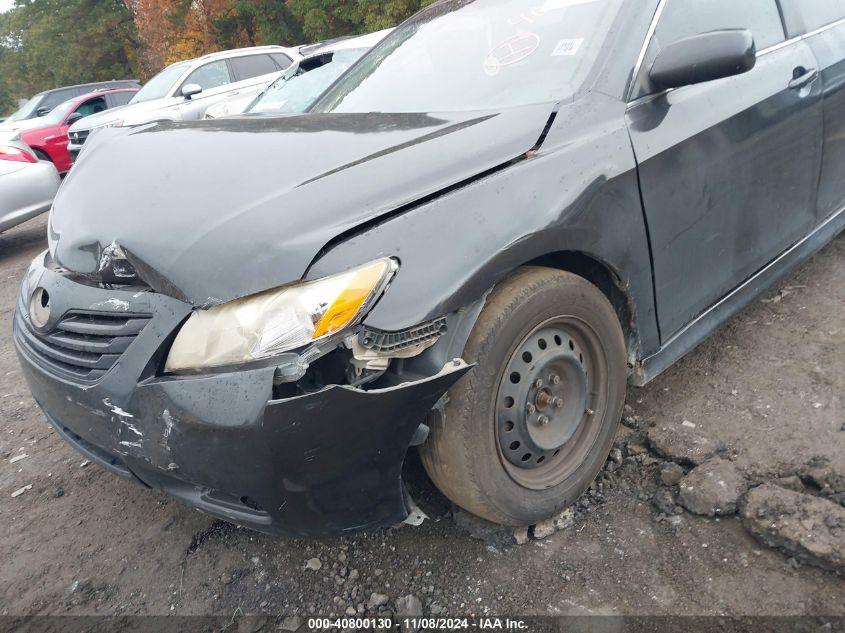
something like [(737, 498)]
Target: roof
[(93, 83), (234, 52), (102, 91)]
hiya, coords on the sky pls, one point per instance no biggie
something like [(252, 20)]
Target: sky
[(5, 5)]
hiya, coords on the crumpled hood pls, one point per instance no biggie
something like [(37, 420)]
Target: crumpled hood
[(224, 209)]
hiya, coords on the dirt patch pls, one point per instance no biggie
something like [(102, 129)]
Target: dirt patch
[(767, 388)]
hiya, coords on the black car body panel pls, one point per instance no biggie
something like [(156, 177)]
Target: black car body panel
[(744, 137), (355, 169), (681, 205)]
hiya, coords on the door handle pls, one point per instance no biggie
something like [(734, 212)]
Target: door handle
[(804, 79), (234, 93)]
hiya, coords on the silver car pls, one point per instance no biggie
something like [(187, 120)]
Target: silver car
[(324, 62), (185, 90), (27, 185)]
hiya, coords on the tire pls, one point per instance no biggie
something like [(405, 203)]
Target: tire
[(539, 324)]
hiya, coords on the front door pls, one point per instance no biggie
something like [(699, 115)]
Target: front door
[(728, 169), (216, 82)]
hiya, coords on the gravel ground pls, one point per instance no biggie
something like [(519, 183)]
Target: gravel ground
[(759, 403)]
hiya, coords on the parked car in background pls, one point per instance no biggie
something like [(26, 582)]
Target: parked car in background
[(472, 243), (44, 102), (27, 185), (291, 91), (48, 135), (185, 90)]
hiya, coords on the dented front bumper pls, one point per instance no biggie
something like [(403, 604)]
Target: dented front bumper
[(318, 464)]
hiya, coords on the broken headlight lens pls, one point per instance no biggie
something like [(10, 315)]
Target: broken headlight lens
[(276, 321)]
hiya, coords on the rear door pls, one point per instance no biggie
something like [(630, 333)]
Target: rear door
[(729, 168), (823, 22)]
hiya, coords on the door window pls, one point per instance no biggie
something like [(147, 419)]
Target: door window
[(814, 14), (120, 98), (282, 60), (56, 97), (252, 66), (212, 75), (92, 106), (684, 18)]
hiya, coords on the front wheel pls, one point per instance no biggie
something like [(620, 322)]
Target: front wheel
[(527, 431)]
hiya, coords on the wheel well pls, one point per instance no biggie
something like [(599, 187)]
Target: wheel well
[(605, 279), (42, 155)]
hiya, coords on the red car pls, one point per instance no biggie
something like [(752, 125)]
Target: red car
[(47, 135)]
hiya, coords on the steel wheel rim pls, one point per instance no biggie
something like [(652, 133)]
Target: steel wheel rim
[(538, 454)]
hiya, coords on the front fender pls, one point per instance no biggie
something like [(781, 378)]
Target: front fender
[(579, 193)]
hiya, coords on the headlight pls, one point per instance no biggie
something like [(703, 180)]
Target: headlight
[(267, 324)]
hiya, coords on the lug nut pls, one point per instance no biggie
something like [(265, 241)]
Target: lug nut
[(555, 380), (558, 402), (543, 420), (531, 408), (538, 383)]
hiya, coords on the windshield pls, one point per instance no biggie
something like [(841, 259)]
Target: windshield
[(160, 86), (298, 88), (27, 110), (57, 114), (478, 55)]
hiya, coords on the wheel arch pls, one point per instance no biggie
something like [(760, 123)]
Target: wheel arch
[(599, 273), (606, 279), (41, 153)]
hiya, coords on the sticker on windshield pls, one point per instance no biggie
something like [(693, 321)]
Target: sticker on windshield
[(568, 47), (512, 51)]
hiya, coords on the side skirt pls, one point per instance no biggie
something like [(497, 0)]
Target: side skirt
[(693, 334)]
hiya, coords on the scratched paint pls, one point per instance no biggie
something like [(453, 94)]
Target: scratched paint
[(168, 428), (117, 410)]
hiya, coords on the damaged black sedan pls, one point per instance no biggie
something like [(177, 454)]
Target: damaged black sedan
[(475, 239)]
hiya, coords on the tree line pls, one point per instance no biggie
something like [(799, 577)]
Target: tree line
[(49, 43)]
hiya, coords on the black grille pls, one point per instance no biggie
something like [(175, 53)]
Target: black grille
[(83, 346), (79, 138), (393, 342)]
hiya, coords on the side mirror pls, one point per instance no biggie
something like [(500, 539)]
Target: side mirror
[(705, 57), (189, 90), (42, 112), (73, 118)]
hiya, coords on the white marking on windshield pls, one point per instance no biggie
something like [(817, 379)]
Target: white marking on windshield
[(568, 47)]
